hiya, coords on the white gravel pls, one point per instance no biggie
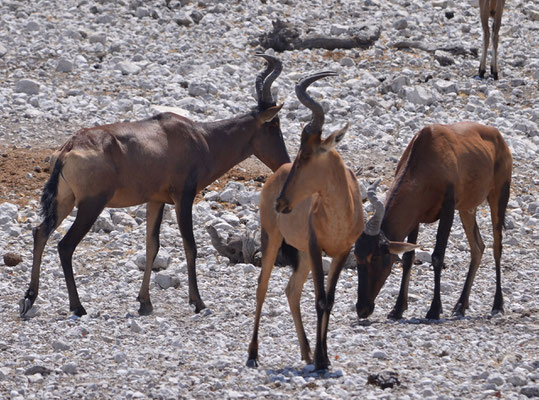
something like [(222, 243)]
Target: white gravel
[(73, 63)]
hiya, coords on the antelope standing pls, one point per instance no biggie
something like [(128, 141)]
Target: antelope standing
[(443, 169), (487, 9), (164, 159), (315, 205)]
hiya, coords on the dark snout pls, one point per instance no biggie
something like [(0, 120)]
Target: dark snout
[(282, 206), (364, 309)]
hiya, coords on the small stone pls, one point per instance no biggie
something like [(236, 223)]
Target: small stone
[(248, 268), (419, 95), (135, 327), (12, 259), (27, 86), (128, 68), (60, 346), (496, 379), (142, 12), (70, 368), (347, 62), (196, 16), (380, 354), (37, 369), (3, 50), (167, 280), (400, 24), (64, 65), (530, 391), (120, 357), (183, 19)]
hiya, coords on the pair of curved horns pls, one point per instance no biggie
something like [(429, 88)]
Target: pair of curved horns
[(266, 78), (315, 126), (375, 222)]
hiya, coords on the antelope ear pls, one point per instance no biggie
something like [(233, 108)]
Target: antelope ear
[(330, 142), (401, 247), (269, 114)]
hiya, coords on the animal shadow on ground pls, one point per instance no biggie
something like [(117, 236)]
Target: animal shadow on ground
[(287, 374)]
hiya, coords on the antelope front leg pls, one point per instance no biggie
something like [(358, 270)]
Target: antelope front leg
[(407, 260), (293, 293)]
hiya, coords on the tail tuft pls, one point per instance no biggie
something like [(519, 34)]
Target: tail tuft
[(48, 199)]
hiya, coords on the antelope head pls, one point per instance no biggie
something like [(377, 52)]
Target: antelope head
[(268, 143), (375, 255), (305, 177)]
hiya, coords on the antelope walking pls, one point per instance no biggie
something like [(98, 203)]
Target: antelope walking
[(164, 159), (315, 205), (487, 9), (443, 169)]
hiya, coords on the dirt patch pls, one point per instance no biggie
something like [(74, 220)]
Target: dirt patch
[(23, 173)]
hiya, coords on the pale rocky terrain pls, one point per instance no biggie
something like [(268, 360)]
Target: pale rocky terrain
[(77, 63)]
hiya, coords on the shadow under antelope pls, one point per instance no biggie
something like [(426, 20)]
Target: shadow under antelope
[(443, 169), (315, 205), (166, 159)]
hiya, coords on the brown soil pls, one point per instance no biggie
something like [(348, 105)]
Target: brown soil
[(23, 173)]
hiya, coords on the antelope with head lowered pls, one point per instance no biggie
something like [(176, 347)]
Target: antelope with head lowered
[(488, 9), (443, 169), (315, 205), (164, 159)]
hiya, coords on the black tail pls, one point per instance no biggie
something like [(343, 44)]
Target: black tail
[(48, 199), (502, 206), (289, 255)]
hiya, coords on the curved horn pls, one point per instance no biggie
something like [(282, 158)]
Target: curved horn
[(375, 222), (266, 78), (318, 113)]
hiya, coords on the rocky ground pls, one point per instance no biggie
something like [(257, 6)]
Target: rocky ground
[(74, 63)]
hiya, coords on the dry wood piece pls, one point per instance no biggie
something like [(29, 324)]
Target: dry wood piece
[(286, 37)]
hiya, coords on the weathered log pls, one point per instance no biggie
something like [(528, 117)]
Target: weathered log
[(286, 37)]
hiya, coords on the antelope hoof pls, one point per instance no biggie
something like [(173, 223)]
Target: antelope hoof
[(497, 311), (481, 74), (321, 366), (433, 314), (24, 306), (199, 305), (459, 310), (252, 363), (394, 315), (145, 309), (79, 311)]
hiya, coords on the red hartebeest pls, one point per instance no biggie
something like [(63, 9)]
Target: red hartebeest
[(164, 159), (487, 9), (443, 169), (315, 205)]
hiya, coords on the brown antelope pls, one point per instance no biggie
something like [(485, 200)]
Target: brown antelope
[(315, 205), (164, 159), (487, 9), (443, 169)]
